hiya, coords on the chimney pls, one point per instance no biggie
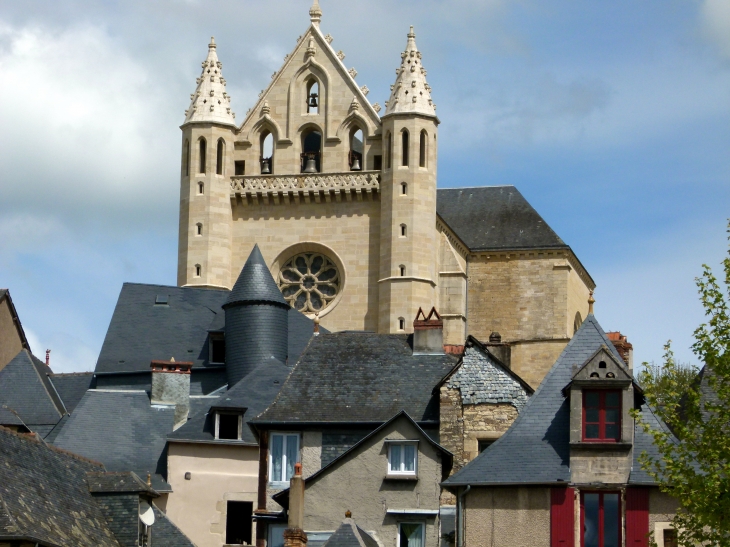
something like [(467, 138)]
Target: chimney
[(501, 350), (623, 346), (428, 333), (294, 535), (48, 357), (171, 386)]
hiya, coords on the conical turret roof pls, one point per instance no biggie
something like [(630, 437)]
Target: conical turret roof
[(210, 102), (410, 93), (255, 283)]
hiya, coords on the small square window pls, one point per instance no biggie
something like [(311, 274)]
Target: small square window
[(410, 534), (402, 458), (378, 163), (240, 167), (601, 416), (217, 348), (483, 444), (228, 426)]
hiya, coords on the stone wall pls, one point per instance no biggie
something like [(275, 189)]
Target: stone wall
[(518, 517), (10, 342)]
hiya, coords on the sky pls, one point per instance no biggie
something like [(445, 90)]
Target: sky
[(611, 118)]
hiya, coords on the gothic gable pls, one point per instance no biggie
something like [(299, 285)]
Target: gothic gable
[(602, 365)]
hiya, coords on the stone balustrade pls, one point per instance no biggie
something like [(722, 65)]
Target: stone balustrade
[(330, 186)]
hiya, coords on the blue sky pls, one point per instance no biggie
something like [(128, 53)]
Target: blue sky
[(612, 118)]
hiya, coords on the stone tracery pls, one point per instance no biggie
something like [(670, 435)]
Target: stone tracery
[(309, 282)]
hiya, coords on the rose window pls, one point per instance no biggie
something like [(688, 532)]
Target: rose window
[(309, 282)]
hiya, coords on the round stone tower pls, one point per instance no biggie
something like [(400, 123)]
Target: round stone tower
[(257, 325)]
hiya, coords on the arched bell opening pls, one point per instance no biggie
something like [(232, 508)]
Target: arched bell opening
[(312, 96), (266, 160), (203, 148), (423, 149), (404, 148), (311, 157), (355, 158)]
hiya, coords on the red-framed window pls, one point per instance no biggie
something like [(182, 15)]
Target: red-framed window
[(601, 416), (600, 519)]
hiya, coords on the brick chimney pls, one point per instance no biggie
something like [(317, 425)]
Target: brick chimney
[(428, 333), (624, 347), (171, 386), (294, 535)]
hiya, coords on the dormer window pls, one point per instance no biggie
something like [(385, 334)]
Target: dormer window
[(217, 345), (228, 425), (601, 416)]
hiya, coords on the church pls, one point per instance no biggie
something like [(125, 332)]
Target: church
[(342, 198)]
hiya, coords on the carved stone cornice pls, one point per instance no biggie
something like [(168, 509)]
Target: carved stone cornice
[(351, 182)]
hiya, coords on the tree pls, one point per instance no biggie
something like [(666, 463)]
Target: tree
[(694, 466)]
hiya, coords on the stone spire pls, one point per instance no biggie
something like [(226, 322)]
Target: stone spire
[(315, 13), (411, 92), (210, 102)]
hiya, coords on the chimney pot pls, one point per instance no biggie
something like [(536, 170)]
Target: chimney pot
[(48, 357), (428, 333)]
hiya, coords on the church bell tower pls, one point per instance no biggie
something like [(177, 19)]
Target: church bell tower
[(408, 238)]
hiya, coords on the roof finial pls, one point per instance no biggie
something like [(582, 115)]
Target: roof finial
[(316, 322), (411, 34), (212, 42), (149, 479), (591, 301), (315, 13), (348, 514)]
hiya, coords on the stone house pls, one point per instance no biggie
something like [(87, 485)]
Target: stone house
[(344, 204), (569, 462)]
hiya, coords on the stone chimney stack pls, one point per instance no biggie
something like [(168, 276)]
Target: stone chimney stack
[(623, 346), (428, 333), (294, 535), (171, 386)]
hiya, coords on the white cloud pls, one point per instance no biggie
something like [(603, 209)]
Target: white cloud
[(715, 15)]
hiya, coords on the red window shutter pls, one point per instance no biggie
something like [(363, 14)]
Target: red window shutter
[(562, 531), (637, 517)]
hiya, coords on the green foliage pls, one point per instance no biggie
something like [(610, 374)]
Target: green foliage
[(694, 466)]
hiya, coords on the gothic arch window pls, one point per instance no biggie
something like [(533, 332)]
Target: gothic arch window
[(310, 281), (312, 97), (201, 188), (311, 157), (403, 230), (422, 149), (577, 322), (199, 229), (203, 145), (219, 156), (404, 138), (198, 270), (402, 269), (357, 148), (403, 188), (401, 323), (266, 145), (186, 158), (389, 151)]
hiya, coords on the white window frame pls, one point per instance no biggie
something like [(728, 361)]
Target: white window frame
[(283, 434), (423, 531), (218, 423), (402, 445)]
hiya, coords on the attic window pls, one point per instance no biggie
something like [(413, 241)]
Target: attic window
[(217, 346), (228, 426), (602, 364), (402, 458), (161, 300)]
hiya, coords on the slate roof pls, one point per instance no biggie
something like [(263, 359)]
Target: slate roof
[(9, 417), (495, 218), (25, 387), (255, 284), (72, 386), (122, 430), (166, 534), (536, 450), (357, 377), (349, 534), (254, 392), (643, 443), (141, 331), (44, 497), (117, 483)]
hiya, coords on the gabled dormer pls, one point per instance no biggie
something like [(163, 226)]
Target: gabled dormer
[(601, 395)]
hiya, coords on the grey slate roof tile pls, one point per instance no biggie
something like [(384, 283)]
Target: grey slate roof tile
[(121, 430), (356, 377), (536, 448), (25, 387), (255, 284), (117, 483), (494, 218), (349, 534), (44, 495), (71, 387)]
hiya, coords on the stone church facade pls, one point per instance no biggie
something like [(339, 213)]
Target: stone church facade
[(343, 203)]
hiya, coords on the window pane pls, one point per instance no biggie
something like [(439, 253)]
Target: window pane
[(277, 453), (411, 535), (612, 415), (292, 453), (590, 520), (613, 399), (592, 415), (592, 399), (610, 520), (395, 457), (612, 431), (592, 431), (409, 458)]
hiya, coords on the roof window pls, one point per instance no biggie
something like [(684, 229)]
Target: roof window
[(161, 300)]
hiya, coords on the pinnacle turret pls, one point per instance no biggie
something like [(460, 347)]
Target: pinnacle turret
[(210, 102), (315, 13), (410, 93)]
